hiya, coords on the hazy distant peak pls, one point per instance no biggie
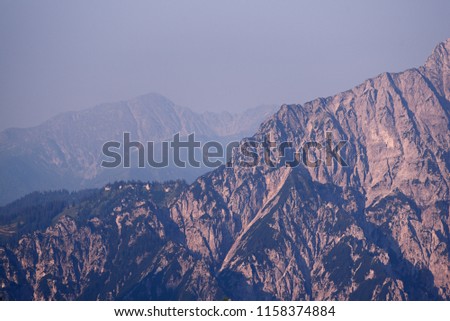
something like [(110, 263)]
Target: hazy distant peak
[(68, 146), (152, 99)]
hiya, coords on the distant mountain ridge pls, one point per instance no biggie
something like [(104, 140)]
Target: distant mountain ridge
[(65, 151)]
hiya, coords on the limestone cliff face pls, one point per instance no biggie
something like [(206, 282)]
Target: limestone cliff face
[(377, 229)]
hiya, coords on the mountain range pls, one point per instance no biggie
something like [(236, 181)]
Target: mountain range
[(374, 229)]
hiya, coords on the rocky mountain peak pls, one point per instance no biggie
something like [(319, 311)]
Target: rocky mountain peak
[(440, 54), (437, 69)]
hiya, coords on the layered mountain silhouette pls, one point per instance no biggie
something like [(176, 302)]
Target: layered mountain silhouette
[(376, 229), (66, 151)]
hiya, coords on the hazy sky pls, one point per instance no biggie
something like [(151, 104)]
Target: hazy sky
[(208, 55)]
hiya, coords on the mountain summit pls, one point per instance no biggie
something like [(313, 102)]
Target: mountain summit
[(437, 69)]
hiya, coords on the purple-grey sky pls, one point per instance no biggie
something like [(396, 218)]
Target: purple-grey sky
[(58, 55)]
